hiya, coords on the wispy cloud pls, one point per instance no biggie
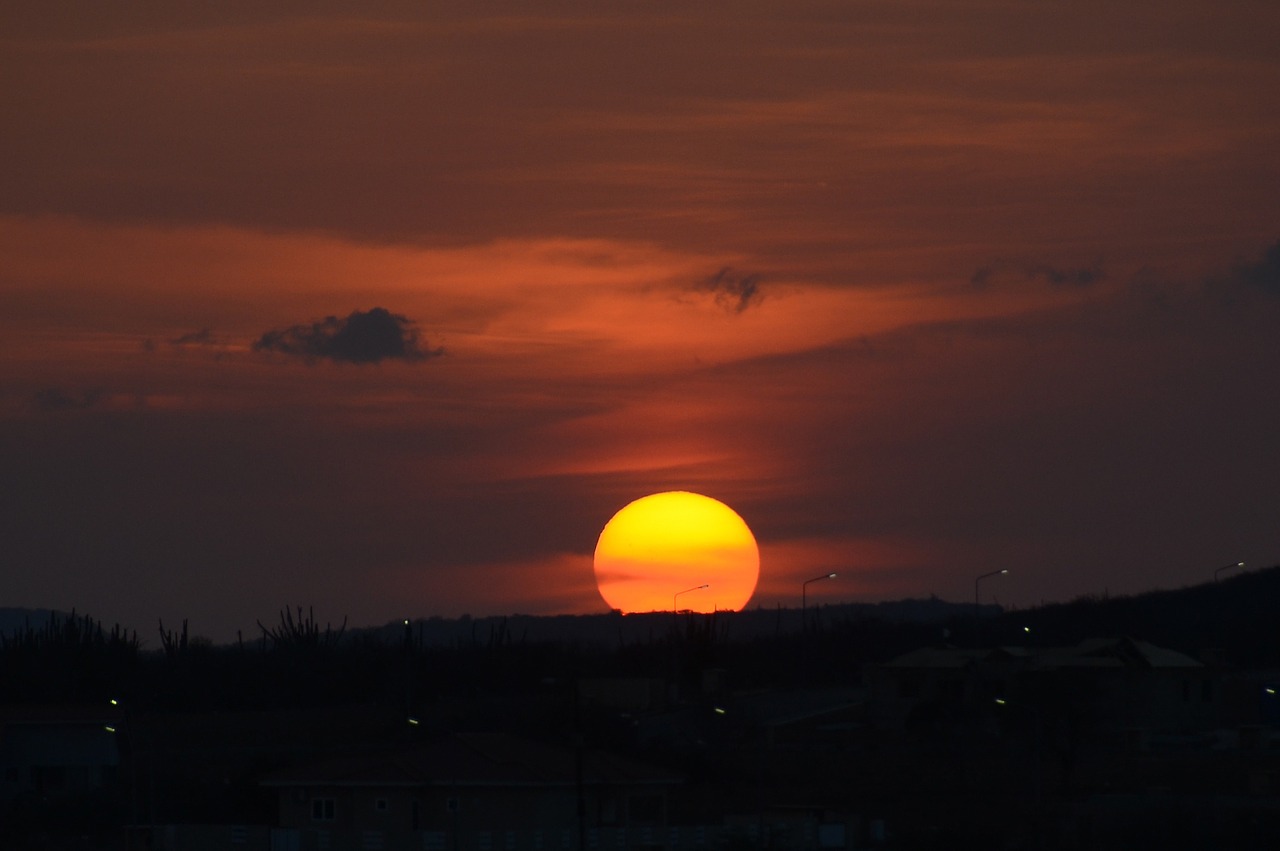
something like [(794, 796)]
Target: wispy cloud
[(203, 337), (734, 291), (1265, 274), (1054, 276), (50, 399)]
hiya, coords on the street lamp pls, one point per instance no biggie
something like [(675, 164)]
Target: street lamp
[(982, 577), (1226, 567), (804, 590), (804, 594), (685, 591)]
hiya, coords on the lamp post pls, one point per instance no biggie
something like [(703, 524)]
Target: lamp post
[(804, 594), (976, 603), (1226, 567), (676, 595)]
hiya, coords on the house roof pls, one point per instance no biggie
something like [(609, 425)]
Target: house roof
[(61, 714), (60, 735), (938, 657), (1115, 653), (475, 759)]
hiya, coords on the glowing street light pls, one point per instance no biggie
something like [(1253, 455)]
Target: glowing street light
[(676, 595), (804, 590), (1226, 567), (982, 577)]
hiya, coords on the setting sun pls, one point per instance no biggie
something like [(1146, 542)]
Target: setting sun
[(676, 550)]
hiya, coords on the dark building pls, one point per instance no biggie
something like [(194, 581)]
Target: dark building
[(477, 792)]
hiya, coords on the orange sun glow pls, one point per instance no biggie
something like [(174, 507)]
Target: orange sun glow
[(676, 550)]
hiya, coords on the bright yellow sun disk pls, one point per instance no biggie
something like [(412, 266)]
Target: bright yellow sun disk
[(669, 544)]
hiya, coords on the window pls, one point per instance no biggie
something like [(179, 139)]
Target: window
[(322, 809), (645, 808), (607, 810)]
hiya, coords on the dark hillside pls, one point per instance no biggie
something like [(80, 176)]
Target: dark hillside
[(1237, 619)]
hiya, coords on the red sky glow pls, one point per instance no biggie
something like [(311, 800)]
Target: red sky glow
[(920, 289)]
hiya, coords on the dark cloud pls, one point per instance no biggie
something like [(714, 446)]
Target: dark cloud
[(203, 337), (1067, 277), (1266, 273), (362, 337), (982, 276), (57, 399), (734, 291), (1054, 277)]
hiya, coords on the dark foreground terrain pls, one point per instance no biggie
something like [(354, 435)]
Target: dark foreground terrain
[(1147, 721)]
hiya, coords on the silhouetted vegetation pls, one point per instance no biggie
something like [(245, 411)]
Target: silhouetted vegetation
[(297, 661), (201, 721), (69, 658)]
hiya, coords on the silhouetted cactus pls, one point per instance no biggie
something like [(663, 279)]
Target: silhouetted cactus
[(302, 632), (71, 657), (174, 644)]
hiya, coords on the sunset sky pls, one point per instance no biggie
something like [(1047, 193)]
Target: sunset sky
[(387, 308)]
